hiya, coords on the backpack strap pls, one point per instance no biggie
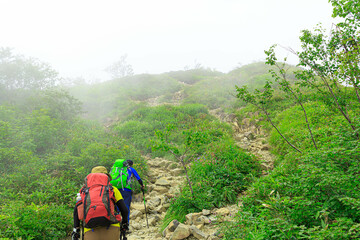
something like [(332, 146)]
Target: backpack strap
[(108, 198), (86, 191), (121, 174)]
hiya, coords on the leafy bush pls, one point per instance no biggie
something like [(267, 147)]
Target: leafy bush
[(20, 220), (323, 122)]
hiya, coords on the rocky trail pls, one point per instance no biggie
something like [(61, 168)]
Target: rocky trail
[(249, 135), (165, 178), (164, 181)]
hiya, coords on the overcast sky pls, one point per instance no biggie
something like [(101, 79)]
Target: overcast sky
[(83, 37)]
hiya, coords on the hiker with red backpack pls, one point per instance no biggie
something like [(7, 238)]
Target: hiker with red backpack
[(122, 174), (97, 208)]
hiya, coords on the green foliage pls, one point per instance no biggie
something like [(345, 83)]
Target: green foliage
[(20, 220), (218, 92), (213, 92), (18, 72), (218, 170), (324, 125), (218, 176), (308, 196), (213, 89), (121, 96), (45, 153), (222, 173), (10, 157), (140, 126), (58, 102), (332, 62), (343, 8), (312, 197), (194, 75)]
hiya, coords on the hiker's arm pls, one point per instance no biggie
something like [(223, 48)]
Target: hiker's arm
[(123, 210), (136, 175), (134, 172), (141, 182)]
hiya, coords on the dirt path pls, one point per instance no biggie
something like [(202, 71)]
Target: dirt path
[(164, 178)]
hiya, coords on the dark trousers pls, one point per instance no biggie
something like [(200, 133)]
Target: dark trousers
[(127, 196)]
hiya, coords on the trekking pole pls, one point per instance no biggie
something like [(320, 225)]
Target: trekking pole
[(122, 235), (145, 210), (82, 230)]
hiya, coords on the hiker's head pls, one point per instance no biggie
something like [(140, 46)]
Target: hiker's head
[(129, 163), (100, 169)]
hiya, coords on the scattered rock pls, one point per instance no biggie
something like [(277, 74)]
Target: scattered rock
[(160, 189), (135, 213), (162, 182), (182, 231), (198, 233), (206, 212), (222, 212)]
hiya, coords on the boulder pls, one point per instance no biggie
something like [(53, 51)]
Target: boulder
[(160, 189), (154, 220), (206, 212), (136, 213), (136, 226), (154, 202), (249, 135), (137, 206), (171, 227), (162, 182), (201, 220), (134, 237), (198, 233), (191, 217), (265, 147), (181, 232), (222, 212), (177, 171)]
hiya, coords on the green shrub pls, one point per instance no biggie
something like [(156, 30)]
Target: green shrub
[(30, 221)]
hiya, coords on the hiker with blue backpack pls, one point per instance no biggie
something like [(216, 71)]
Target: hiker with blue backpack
[(98, 206), (122, 174)]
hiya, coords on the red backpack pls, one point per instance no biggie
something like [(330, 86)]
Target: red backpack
[(97, 205)]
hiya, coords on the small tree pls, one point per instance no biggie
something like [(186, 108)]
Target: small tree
[(331, 64), (261, 100), (280, 77), (18, 72), (120, 68), (188, 143)]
